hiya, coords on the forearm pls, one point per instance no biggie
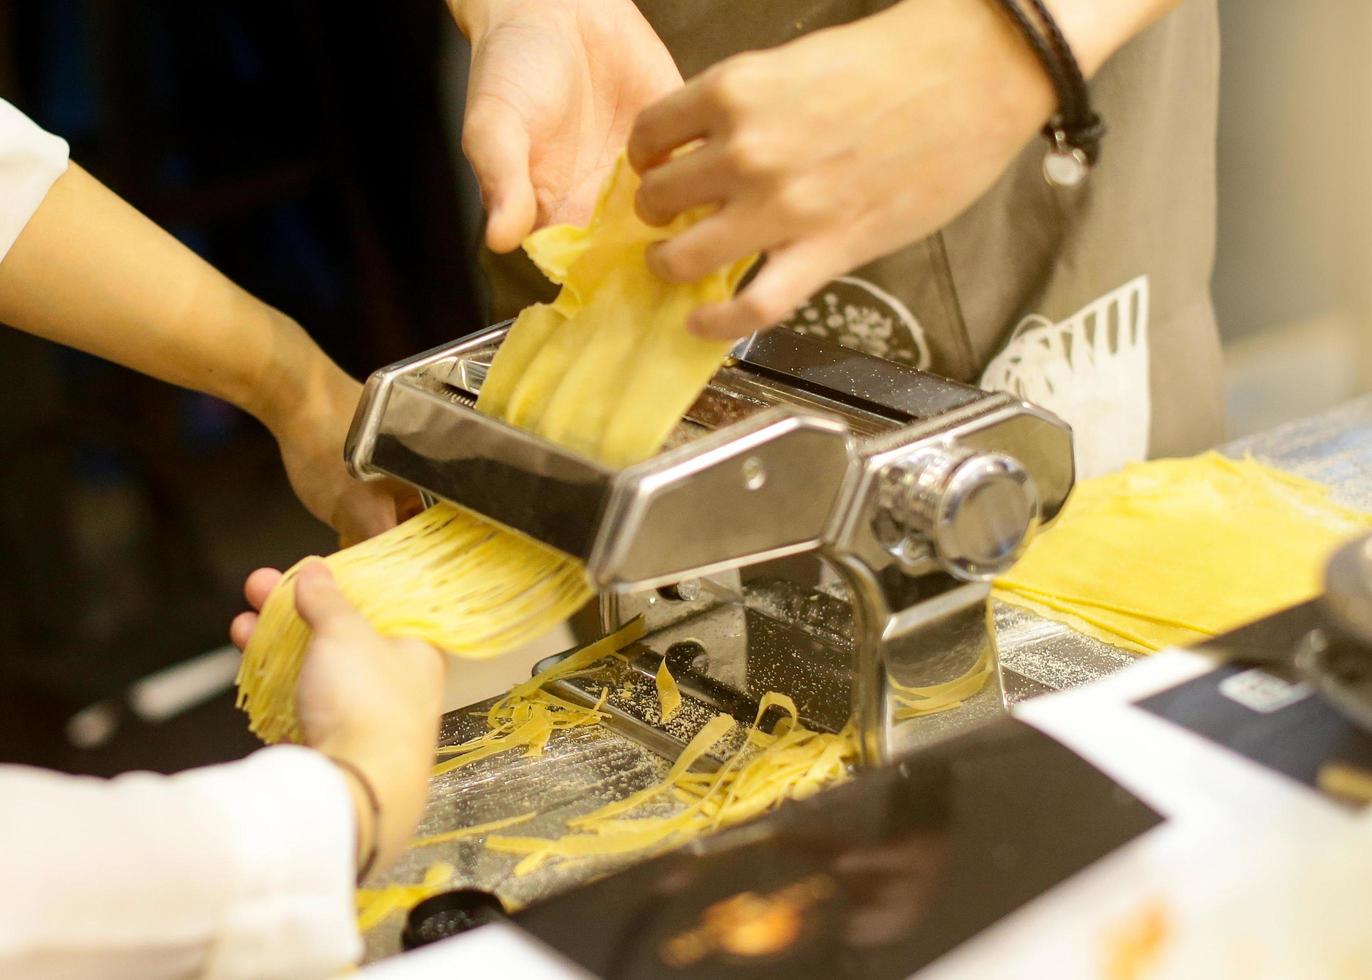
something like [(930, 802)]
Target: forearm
[(90, 272), (1097, 29), (1018, 94)]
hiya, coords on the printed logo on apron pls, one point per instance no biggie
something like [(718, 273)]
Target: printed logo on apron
[(861, 315), (1091, 370)]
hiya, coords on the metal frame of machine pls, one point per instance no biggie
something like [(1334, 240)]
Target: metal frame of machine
[(912, 491)]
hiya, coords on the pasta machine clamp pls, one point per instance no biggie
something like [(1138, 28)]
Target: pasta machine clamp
[(822, 523)]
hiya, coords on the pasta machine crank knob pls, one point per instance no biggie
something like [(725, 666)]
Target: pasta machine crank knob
[(975, 510)]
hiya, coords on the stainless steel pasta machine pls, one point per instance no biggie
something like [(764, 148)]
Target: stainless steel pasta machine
[(822, 523)]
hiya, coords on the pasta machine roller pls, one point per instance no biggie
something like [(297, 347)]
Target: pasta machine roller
[(822, 523)]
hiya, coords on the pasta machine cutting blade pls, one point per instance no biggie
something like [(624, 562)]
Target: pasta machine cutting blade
[(822, 522)]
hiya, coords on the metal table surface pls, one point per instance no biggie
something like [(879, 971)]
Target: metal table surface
[(586, 768)]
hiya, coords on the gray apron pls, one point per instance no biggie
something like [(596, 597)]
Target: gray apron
[(1051, 292)]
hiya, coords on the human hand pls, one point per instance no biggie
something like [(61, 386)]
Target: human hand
[(369, 701), (311, 436), (834, 149), (554, 88)]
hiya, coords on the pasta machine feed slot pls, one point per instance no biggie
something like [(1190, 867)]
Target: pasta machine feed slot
[(822, 523)]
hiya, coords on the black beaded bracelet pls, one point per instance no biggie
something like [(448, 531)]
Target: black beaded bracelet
[(369, 860), (1075, 130)]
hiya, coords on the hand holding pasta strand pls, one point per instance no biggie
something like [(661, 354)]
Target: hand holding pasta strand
[(366, 700)]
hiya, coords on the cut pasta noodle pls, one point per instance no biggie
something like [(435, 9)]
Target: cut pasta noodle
[(760, 768), (476, 830), (526, 717), (790, 762), (607, 370), (668, 694), (375, 905), (917, 702)]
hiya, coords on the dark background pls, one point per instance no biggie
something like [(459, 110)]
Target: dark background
[(304, 149)]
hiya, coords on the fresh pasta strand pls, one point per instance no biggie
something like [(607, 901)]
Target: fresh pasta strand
[(446, 576)]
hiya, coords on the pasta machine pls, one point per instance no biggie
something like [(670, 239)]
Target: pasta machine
[(822, 523)]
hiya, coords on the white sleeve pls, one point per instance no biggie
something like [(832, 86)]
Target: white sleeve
[(239, 870), (31, 160)]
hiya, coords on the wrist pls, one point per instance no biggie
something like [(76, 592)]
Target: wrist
[(300, 392), (388, 801), (366, 817), (253, 356), (1012, 93), (396, 768)]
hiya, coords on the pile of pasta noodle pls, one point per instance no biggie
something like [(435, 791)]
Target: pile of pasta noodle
[(760, 768), (607, 369), (765, 769), (526, 717), (446, 575)]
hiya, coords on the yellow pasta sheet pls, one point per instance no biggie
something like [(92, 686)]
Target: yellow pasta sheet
[(1174, 551), (608, 368)]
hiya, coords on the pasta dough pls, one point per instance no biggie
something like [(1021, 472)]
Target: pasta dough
[(1174, 551), (607, 369)]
